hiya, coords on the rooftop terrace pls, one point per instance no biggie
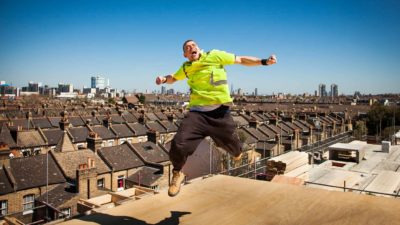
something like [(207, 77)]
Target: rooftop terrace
[(230, 200)]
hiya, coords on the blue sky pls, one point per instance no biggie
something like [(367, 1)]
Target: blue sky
[(354, 44)]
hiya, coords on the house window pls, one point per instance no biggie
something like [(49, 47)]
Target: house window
[(122, 140), (121, 181), (36, 151), (65, 213), (100, 183), (29, 201), (80, 146), (3, 207), (25, 152), (103, 144), (130, 140), (140, 139), (110, 142), (53, 147)]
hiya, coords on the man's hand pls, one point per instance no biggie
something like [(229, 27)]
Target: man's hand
[(161, 80), (271, 60)]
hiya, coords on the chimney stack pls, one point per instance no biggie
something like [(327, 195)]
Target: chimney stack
[(153, 136), (64, 122), (86, 179), (94, 141)]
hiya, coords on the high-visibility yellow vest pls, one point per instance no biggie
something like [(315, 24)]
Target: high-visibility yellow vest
[(207, 78)]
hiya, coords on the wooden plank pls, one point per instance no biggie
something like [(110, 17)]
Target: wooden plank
[(227, 200)]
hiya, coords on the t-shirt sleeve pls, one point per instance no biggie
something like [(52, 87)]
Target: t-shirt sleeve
[(223, 58), (180, 74)]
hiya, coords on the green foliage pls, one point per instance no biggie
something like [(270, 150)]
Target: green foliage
[(111, 101), (381, 117), (142, 98), (360, 129)]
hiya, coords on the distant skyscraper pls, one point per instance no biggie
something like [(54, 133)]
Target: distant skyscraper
[(240, 92), (66, 88), (334, 90), (163, 90), (99, 82), (322, 90), (255, 92), (33, 86)]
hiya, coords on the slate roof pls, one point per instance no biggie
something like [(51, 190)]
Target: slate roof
[(5, 184), (161, 116), (129, 117), (76, 121), (59, 195), (22, 123), (179, 115), (123, 130), (93, 120), (104, 133), (120, 157), (30, 139), (55, 121), (267, 145), (267, 131), (249, 139), (139, 129), (69, 162), (150, 152), (301, 126), (240, 121), (155, 125), (5, 136), (53, 136), (30, 172), (145, 176), (170, 126), (117, 119), (257, 134), (43, 123), (79, 134), (151, 116)]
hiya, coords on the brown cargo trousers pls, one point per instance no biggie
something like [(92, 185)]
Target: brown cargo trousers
[(218, 124)]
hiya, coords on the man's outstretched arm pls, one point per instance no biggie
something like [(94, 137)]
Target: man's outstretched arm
[(254, 61), (169, 79)]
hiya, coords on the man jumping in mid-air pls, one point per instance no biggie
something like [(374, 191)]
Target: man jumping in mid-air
[(210, 99)]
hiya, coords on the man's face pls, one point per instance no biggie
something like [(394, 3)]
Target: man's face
[(191, 51)]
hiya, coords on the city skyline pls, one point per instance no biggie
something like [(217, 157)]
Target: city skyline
[(131, 42)]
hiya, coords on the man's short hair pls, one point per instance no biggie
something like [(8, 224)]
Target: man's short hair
[(184, 43)]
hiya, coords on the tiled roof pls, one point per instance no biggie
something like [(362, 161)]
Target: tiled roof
[(249, 139), (257, 134), (5, 136), (29, 139), (59, 195), (30, 172), (43, 123), (70, 161), (117, 119), (76, 121), (161, 116), (53, 136), (150, 152), (146, 176), (93, 120), (139, 129), (24, 123), (151, 116), (154, 125), (103, 132), (267, 131), (120, 157), (170, 126), (79, 134), (123, 130), (55, 121), (240, 121), (5, 185), (129, 117)]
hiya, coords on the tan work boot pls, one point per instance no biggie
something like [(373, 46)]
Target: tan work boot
[(237, 158), (177, 179)]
